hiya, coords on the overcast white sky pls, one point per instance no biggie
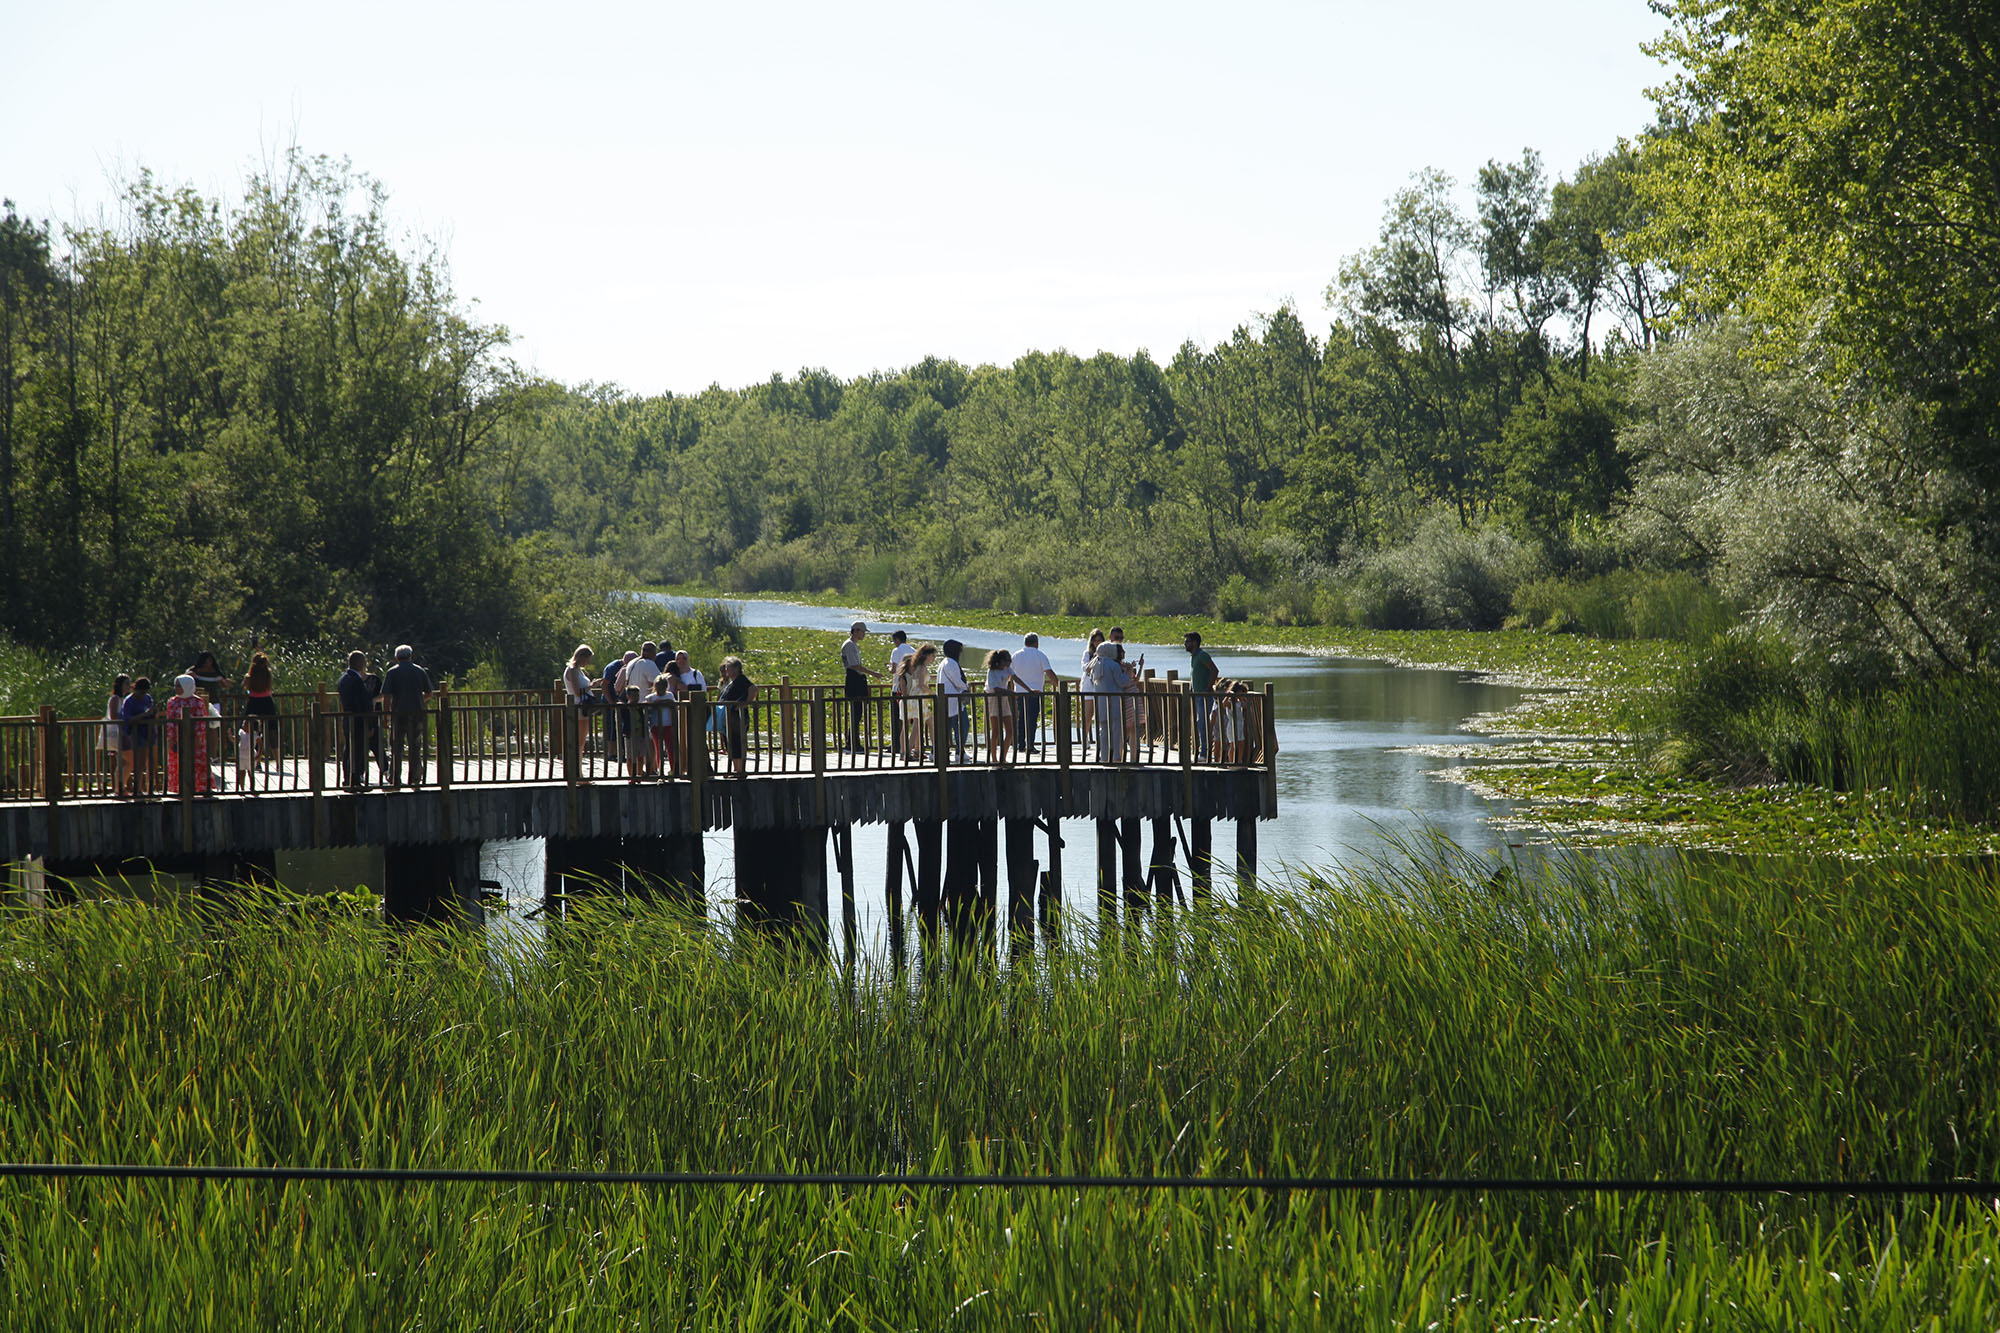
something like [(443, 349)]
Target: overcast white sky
[(667, 195)]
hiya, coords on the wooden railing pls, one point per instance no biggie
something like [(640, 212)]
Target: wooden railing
[(474, 738)]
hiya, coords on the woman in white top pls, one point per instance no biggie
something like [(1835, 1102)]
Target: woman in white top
[(580, 689), (999, 705)]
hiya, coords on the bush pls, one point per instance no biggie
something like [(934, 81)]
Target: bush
[(1445, 577), (1625, 604), (1747, 712)]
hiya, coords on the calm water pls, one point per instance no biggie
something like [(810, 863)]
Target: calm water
[(1345, 780)]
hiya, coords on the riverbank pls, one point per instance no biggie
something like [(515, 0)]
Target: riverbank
[(1607, 1019)]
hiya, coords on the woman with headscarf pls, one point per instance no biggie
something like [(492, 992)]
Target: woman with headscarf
[(187, 708), (1108, 680), (1083, 678)]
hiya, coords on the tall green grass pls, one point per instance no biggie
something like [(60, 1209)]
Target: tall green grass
[(1630, 1019), (1744, 711)]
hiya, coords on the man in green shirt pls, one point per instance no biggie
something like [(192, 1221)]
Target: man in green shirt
[(1201, 671)]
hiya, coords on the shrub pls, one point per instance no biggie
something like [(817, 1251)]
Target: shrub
[(1625, 604), (1445, 577)]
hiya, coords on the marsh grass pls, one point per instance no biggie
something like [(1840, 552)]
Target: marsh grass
[(1745, 712), (1718, 1018)]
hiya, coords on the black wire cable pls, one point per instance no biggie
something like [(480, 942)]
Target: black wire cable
[(856, 1180)]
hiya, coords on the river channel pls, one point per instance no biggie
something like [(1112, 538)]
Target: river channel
[(1353, 772)]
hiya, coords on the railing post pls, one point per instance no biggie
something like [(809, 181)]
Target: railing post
[(1270, 755), (787, 733), (940, 724), (818, 724), (316, 744), (1064, 699), (52, 756), (697, 742), (447, 750), (572, 762)]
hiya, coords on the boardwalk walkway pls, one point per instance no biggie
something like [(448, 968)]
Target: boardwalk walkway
[(510, 764)]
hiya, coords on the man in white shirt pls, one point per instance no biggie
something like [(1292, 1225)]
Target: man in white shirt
[(1032, 675), (951, 679), (642, 671)]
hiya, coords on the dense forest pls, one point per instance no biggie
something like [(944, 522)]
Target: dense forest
[(1745, 364)]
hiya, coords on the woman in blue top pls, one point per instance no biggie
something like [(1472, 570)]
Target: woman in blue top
[(136, 734)]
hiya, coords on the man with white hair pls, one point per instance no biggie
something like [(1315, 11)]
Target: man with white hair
[(405, 689)]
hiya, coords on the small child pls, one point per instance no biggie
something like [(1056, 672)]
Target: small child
[(660, 723), (1235, 707)]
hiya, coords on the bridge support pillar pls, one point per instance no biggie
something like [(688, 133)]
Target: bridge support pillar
[(781, 879), (963, 864), (1201, 857), (575, 867), (930, 877), (892, 886), (1246, 853), (1107, 873), (1161, 874), (675, 868), (1021, 868), (1131, 842), (432, 882)]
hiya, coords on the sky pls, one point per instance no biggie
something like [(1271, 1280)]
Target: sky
[(669, 195)]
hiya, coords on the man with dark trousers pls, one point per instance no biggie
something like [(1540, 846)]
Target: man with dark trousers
[(406, 687), (357, 704)]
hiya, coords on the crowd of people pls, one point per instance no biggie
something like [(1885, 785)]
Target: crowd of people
[(633, 702), (132, 712)]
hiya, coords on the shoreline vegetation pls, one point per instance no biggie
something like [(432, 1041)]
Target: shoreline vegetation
[(1596, 1018)]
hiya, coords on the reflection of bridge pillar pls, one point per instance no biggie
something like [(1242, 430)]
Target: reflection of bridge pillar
[(781, 879), (674, 867), (431, 882)]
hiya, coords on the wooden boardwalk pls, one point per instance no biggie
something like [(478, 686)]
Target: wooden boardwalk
[(520, 765)]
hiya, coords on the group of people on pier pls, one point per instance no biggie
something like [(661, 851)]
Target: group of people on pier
[(132, 711), (636, 701)]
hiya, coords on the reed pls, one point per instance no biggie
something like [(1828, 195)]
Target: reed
[(1433, 1016)]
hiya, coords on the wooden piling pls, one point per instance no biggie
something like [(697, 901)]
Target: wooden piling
[(1107, 872), (1021, 871), (892, 889), (930, 875), (1131, 843), (1201, 857)]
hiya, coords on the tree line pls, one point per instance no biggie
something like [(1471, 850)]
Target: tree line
[(1754, 347)]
